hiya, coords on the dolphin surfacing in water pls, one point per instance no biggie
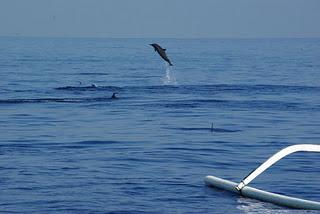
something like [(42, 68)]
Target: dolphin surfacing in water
[(162, 52), (114, 96)]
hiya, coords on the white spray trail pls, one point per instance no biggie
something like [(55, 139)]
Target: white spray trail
[(169, 79)]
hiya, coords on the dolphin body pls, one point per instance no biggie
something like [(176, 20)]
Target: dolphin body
[(161, 52), (114, 96)]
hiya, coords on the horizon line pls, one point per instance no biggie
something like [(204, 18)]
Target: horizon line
[(135, 37)]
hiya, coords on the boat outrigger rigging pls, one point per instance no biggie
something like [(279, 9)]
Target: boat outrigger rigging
[(282, 200)]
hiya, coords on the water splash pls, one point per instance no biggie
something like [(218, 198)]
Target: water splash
[(169, 78), (252, 206)]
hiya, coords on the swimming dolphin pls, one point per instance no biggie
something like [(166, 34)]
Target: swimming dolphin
[(161, 52), (114, 96)]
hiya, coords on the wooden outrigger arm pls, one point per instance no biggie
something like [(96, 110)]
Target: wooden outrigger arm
[(276, 157)]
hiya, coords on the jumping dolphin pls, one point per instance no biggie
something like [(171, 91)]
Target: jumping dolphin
[(161, 52)]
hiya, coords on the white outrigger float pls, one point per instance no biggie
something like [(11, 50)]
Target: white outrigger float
[(246, 191)]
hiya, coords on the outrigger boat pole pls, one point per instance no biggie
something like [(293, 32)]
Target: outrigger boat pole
[(242, 188)]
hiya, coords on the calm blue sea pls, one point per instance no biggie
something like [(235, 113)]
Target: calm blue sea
[(66, 147)]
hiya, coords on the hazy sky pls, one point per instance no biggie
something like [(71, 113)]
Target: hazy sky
[(160, 18)]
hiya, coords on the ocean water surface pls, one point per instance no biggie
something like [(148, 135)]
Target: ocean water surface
[(66, 147)]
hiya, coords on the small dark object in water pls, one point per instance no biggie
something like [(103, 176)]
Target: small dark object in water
[(211, 127), (114, 96), (93, 85)]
